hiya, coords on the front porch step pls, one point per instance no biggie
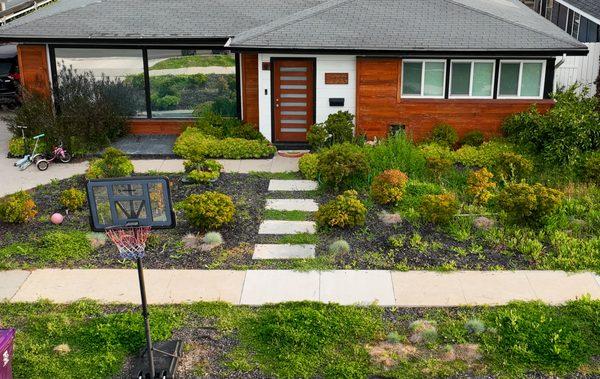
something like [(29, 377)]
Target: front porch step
[(279, 227), (283, 251), (306, 205), (292, 185)]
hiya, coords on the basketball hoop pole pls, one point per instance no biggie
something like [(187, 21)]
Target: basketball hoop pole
[(145, 315)]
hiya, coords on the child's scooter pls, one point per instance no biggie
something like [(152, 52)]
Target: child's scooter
[(28, 159)]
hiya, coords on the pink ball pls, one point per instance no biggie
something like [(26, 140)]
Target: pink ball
[(57, 218)]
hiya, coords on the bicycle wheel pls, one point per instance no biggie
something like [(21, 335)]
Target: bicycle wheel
[(66, 158), (42, 165)]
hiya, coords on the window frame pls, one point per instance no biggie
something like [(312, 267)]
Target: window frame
[(422, 95), (470, 95), (519, 84)]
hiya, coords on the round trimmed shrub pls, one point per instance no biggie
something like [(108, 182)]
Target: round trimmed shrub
[(388, 187), (308, 166), (341, 164), (113, 164), (72, 199), (473, 138), (511, 166), (444, 134), (524, 203), (439, 209), (317, 137), (208, 210), (17, 208), (345, 211)]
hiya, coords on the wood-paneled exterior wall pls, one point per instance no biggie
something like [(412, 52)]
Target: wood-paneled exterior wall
[(250, 88), (379, 104), (149, 126), (33, 67)]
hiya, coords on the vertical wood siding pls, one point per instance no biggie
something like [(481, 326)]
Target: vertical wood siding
[(583, 70), (250, 88), (33, 67)]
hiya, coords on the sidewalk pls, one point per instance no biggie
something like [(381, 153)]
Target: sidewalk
[(256, 287)]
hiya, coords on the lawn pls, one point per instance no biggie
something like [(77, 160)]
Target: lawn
[(306, 340), (195, 61)]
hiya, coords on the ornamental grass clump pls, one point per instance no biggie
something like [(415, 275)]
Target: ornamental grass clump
[(345, 211), (439, 209), (212, 238), (72, 199), (528, 204), (339, 247), (17, 208), (388, 187), (480, 186), (208, 210)]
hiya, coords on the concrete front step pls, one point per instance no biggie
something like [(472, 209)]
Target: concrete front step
[(286, 227), (306, 205), (292, 185), (283, 251)]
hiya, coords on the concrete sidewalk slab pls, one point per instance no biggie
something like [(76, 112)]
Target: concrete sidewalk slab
[(202, 285), (259, 165), (280, 227), (557, 287), (306, 205), (10, 282), (425, 288), (283, 251), (276, 286), (495, 287), (292, 185), (348, 287)]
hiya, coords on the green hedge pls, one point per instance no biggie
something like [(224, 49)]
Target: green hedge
[(192, 143)]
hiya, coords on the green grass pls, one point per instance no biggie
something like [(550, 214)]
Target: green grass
[(195, 61), (271, 214), (299, 239)]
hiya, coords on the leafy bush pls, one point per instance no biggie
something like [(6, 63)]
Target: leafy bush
[(563, 134), (202, 170), (512, 167), (439, 167), (483, 156), (436, 151), (72, 199), (591, 167), (444, 134), (396, 152), (221, 127), (17, 208), (473, 138), (198, 176), (480, 185), (113, 164), (308, 165), (193, 144), (338, 128), (388, 187), (439, 209), (345, 211), (209, 210), (341, 164), (317, 137), (524, 203), (17, 147)]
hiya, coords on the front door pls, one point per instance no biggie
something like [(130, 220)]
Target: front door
[(293, 98)]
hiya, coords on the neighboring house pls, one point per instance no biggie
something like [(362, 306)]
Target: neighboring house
[(285, 64)]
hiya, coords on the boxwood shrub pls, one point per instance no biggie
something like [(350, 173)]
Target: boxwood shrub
[(192, 144)]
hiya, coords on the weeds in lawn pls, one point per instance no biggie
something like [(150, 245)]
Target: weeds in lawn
[(271, 214)]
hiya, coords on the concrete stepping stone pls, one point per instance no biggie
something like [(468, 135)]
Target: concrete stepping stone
[(306, 205), (286, 227), (283, 251), (292, 185)]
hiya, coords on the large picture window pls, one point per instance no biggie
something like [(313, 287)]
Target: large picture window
[(423, 78), (472, 79), (181, 83), (521, 79)]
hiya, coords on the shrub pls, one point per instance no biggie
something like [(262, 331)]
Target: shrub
[(437, 151), (528, 204), (563, 134), (473, 138), (198, 176), (212, 238), (396, 152), (317, 137), (220, 127), (439, 209), (511, 166), (444, 134), (480, 185), (113, 164), (17, 208), (308, 165), (341, 164), (194, 144), (339, 247), (202, 170), (483, 156), (345, 211), (16, 147), (591, 167), (338, 128), (209, 210), (439, 167), (388, 187), (72, 199)]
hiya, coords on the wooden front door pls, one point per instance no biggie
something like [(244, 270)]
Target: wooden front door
[(293, 98)]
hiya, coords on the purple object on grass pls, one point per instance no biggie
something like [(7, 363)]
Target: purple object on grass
[(6, 352)]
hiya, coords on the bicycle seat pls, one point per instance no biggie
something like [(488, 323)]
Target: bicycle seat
[(39, 136)]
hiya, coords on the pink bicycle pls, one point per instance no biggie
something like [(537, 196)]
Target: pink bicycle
[(59, 153)]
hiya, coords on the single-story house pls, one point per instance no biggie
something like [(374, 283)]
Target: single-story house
[(284, 65)]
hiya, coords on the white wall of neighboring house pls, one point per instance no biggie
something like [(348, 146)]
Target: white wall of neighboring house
[(325, 63), (582, 70)]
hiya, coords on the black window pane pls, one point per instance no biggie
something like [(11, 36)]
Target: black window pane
[(583, 29), (593, 32), (555, 13), (570, 22), (562, 16)]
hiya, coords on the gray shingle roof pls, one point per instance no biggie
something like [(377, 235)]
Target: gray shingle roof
[(592, 7), (388, 25)]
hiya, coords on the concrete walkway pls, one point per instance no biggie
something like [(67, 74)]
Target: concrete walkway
[(255, 287)]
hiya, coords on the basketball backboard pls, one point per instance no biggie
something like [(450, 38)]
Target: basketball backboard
[(128, 202)]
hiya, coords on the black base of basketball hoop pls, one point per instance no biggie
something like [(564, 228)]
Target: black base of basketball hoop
[(166, 355)]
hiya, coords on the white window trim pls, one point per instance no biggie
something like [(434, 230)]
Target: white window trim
[(422, 96), (470, 95), (518, 96)]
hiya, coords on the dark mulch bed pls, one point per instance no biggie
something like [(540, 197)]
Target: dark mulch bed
[(370, 246)]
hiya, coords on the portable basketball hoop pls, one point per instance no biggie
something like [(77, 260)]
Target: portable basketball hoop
[(127, 209)]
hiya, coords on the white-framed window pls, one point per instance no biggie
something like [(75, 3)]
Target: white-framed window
[(472, 78), (424, 78), (521, 79)]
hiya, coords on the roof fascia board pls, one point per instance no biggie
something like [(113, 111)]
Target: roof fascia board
[(583, 13), (163, 42)]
